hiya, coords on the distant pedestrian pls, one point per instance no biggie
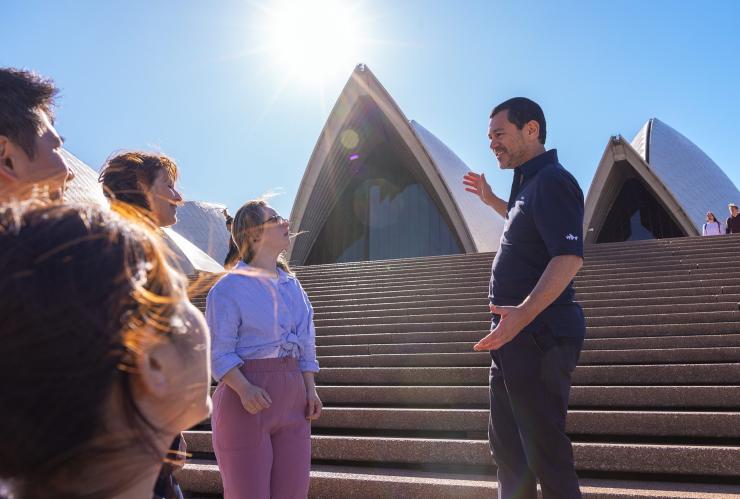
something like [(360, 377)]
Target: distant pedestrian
[(232, 256), (537, 329), (712, 227), (733, 221), (264, 357)]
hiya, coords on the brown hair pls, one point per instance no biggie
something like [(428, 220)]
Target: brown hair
[(128, 176), (22, 95), (248, 224), (83, 290)]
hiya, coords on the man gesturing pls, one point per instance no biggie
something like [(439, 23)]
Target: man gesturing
[(537, 329)]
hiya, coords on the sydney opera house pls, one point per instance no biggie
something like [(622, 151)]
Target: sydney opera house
[(380, 186)]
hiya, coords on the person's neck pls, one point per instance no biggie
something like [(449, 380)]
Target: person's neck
[(265, 260), (532, 153)]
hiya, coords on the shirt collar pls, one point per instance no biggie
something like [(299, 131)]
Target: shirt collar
[(533, 166)]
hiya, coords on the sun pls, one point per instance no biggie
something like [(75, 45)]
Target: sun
[(313, 40)]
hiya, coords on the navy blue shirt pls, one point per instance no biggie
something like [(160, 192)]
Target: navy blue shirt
[(545, 220)]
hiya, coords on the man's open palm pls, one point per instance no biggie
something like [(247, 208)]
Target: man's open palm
[(477, 185)]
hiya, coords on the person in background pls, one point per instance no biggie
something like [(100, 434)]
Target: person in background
[(232, 256), (30, 147), (264, 357), (146, 182), (732, 226), (537, 330), (712, 227), (103, 360)]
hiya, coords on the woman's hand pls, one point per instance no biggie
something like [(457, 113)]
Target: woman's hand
[(313, 402), (313, 405), (254, 399)]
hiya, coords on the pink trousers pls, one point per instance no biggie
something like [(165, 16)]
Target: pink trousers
[(268, 454)]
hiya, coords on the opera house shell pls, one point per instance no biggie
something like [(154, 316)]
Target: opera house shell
[(660, 185), (379, 186)]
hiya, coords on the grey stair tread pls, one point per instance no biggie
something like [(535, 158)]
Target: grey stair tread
[(614, 457), (588, 357), (726, 373), (652, 423), (355, 482), (619, 396), (673, 342)]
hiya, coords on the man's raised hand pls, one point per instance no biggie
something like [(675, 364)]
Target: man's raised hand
[(477, 185)]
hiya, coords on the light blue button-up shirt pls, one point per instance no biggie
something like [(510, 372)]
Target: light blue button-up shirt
[(253, 317)]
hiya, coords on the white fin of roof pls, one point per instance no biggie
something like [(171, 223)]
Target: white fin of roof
[(204, 225), (188, 256), (484, 224), (84, 188), (697, 183)]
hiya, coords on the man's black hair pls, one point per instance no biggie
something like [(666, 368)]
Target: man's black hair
[(22, 95), (521, 111)]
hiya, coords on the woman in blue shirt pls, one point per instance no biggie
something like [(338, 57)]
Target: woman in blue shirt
[(264, 357)]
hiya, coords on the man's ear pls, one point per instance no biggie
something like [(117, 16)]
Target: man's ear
[(8, 171), (150, 370), (533, 129)]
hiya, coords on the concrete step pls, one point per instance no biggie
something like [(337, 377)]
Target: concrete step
[(712, 460), (470, 283), (475, 275), (625, 397), (417, 291), (704, 341), (624, 329), (651, 374), (668, 291), (392, 338), (625, 333), (580, 422), (482, 318), (481, 306), (640, 306), (357, 482), (588, 357)]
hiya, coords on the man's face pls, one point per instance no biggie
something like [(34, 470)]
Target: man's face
[(506, 141), (733, 211), (21, 174), (164, 199)]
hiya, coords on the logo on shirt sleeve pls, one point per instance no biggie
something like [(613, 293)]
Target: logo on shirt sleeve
[(571, 237)]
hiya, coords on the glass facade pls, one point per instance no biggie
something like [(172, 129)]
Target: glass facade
[(637, 214), (383, 212)]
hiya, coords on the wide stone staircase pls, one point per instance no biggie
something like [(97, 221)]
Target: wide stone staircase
[(655, 403)]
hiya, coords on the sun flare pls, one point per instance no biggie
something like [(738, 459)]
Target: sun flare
[(314, 40)]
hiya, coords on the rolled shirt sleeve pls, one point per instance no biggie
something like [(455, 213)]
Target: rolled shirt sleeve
[(558, 213), (223, 318), (306, 333)]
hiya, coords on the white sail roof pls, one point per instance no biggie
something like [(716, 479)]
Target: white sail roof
[(204, 224), (682, 177), (478, 227), (698, 183)]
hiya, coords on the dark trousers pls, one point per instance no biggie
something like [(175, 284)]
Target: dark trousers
[(530, 384)]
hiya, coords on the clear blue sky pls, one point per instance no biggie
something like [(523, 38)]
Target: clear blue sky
[(201, 81)]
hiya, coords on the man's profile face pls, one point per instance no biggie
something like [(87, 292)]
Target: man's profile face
[(46, 170), (506, 141), (733, 211)]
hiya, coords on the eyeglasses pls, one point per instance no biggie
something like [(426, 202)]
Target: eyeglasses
[(275, 218)]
